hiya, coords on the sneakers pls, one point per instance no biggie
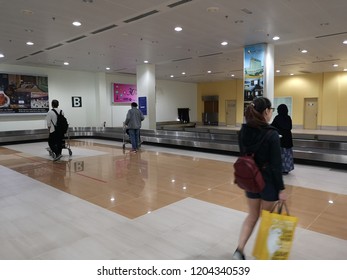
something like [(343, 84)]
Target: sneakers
[(238, 255), (58, 157), (133, 151)]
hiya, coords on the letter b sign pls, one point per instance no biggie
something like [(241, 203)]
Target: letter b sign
[(76, 101)]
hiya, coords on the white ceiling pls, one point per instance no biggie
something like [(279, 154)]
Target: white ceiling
[(320, 26)]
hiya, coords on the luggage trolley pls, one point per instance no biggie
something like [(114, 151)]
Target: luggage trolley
[(126, 137), (65, 145)]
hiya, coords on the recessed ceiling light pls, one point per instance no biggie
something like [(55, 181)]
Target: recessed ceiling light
[(345, 42), (291, 74), (343, 69), (145, 61), (232, 75), (277, 71), (212, 9), (335, 65), (29, 43), (108, 68), (304, 51), (183, 73), (209, 71), (76, 23), (66, 63), (172, 76), (1, 55), (275, 38), (27, 12), (178, 28), (224, 43)]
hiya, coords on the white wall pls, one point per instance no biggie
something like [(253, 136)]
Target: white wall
[(95, 90), (170, 95)]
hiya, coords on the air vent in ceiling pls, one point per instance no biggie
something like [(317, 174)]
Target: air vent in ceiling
[(329, 35), (328, 60), (178, 3), (127, 73), (211, 54), (22, 57), (35, 53), (53, 47), (291, 64), (103, 29), (181, 59), (76, 39), (141, 16)]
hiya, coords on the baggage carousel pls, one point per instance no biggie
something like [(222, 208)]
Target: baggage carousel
[(316, 147)]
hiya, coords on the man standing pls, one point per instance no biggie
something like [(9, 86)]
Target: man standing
[(55, 140), (133, 122)]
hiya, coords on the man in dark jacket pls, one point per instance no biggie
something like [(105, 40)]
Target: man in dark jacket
[(133, 122)]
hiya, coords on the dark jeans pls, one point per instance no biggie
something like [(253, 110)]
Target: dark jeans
[(134, 135), (55, 142)]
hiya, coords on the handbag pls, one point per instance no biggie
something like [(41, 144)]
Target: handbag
[(275, 234)]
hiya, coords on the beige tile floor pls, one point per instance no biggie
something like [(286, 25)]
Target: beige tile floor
[(105, 203)]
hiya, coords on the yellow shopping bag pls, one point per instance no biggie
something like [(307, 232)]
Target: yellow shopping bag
[(275, 235)]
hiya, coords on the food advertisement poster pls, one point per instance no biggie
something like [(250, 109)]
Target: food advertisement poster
[(23, 94), (124, 93)]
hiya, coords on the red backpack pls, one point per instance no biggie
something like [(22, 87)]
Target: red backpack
[(247, 173)]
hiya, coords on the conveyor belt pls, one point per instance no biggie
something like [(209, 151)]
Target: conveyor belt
[(310, 147)]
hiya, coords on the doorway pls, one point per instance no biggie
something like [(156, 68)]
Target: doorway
[(310, 113), (210, 114), (230, 112)]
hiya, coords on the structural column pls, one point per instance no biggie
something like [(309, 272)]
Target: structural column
[(145, 75), (269, 84)]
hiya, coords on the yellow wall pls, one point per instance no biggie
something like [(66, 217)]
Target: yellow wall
[(329, 88)]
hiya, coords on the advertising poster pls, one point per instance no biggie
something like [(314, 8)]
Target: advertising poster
[(23, 94), (254, 61), (124, 93)]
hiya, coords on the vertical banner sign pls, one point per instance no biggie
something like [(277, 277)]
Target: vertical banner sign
[(254, 61), (76, 101), (143, 105)]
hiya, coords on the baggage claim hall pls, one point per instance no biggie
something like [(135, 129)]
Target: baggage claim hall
[(184, 63)]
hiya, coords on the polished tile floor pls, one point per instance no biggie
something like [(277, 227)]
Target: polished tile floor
[(160, 203)]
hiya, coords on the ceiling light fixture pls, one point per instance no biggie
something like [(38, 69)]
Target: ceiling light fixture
[(108, 68), (345, 42), (76, 23), (172, 76), (278, 71), (30, 43), (145, 61), (66, 63), (212, 9), (335, 65), (304, 51), (183, 73), (209, 71), (178, 28), (276, 38), (224, 43), (1, 55)]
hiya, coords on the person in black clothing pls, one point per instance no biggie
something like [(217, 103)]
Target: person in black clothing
[(55, 141), (283, 123), (268, 158)]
